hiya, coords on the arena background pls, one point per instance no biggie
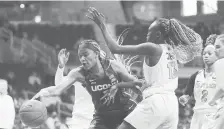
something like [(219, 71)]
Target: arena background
[(29, 44)]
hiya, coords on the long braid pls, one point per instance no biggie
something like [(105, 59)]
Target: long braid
[(187, 44)]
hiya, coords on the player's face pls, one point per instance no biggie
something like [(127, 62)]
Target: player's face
[(219, 47), (153, 33), (209, 55), (87, 57)]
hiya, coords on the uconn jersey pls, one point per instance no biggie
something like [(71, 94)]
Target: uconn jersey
[(97, 87), (204, 89)]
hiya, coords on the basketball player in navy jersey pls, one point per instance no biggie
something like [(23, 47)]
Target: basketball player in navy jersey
[(168, 41), (98, 75), (83, 108), (202, 85)]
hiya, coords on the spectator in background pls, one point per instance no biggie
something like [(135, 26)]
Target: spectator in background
[(7, 109), (5, 32), (24, 41), (57, 47), (36, 39), (34, 79), (215, 28)]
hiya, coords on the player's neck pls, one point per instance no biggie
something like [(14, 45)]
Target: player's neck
[(97, 69), (209, 69)]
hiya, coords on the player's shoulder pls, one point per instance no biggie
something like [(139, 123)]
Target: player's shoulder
[(220, 62), (76, 71), (218, 65), (8, 98)]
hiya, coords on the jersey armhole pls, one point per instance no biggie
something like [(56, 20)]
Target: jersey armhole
[(160, 58)]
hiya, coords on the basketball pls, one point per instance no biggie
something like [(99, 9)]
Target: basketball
[(33, 113)]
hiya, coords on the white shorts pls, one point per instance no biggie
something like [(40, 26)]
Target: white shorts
[(78, 122), (159, 111), (202, 119)]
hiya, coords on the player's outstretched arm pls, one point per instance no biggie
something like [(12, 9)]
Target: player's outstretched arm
[(128, 80), (72, 77), (63, 57), (141, 49), (59, 75)]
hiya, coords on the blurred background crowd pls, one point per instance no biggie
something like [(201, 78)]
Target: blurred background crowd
[(32, 33)]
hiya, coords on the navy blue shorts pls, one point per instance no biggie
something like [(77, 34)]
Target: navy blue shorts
[(107, 121)]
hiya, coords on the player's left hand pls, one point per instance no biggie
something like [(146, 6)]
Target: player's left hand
[(63, 57), (109, 95), (96, 16)]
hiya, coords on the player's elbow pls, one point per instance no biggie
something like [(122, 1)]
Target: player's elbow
[(114, 49)]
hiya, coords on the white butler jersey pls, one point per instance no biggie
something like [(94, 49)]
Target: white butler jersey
[(83, 102), (83, 109), (204, 90), (162, 76)]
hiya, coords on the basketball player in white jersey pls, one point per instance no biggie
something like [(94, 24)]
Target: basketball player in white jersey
[(83, 107), (202, 85), (219, 68), (167, 42), (219, 71)]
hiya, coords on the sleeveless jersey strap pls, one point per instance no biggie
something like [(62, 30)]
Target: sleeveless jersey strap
[(109, 71)]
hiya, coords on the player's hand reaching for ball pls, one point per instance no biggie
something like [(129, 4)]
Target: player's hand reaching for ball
[(96, 16), (109, 95), (63, 57), (41, 93), (46, 92)]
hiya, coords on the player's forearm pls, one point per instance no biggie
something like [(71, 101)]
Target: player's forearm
[(55, 90), (131, 84), (59, 75), (58, 89), (218, 95), (111, 43)]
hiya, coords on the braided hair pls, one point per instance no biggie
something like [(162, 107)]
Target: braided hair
[(187, 43), (93, 45), (211, 39)]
